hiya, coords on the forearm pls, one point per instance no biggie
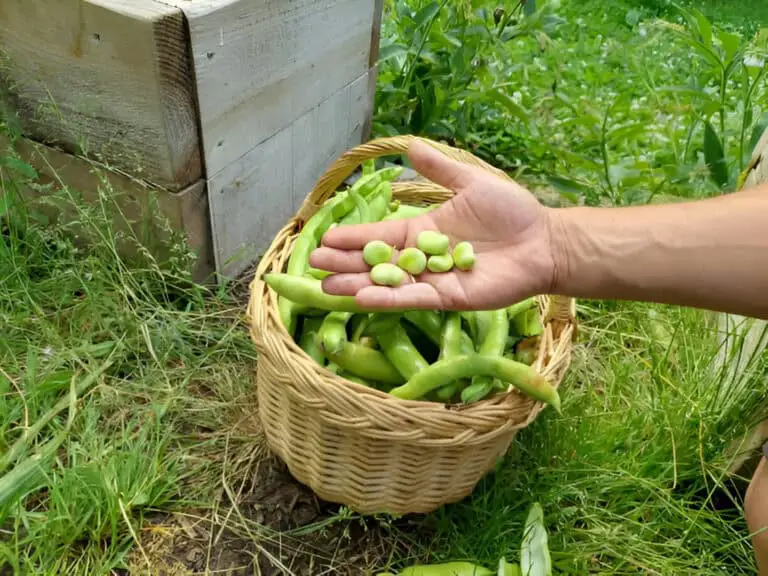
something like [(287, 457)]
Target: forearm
[(709, 254)]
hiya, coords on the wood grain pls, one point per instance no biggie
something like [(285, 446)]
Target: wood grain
[(283, 88), (261, 64), (110, 79)]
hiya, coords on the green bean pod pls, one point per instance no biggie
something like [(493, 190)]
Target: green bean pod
[(428, 321), (405, 211), (522, 306), (483, 319), (333, 332), (367, 183), (444, 569), (317, 273), (451, 346), (361, 214), (366, 363), (358, 324), (397, 346), (307, 240), (528, 323), (379, 201), (308, 339), (443, 372), (368, 166), (493, 345), (309, 292)]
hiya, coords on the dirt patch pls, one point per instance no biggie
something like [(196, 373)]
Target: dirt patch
[(278, 528)]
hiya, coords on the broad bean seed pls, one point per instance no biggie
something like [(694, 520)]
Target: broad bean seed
[(377, 252), (464, 256), (387, 274), (432, 243), (440, 263), (412, 260)]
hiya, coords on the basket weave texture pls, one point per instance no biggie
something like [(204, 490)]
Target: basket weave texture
[(359, 446)]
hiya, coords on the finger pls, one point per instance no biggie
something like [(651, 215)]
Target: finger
[(437, 167), (340, 261), (351, 284), (393, 232), (417, 295), (346, 284)]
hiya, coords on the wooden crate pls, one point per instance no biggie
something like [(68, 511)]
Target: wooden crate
[(250, 99)]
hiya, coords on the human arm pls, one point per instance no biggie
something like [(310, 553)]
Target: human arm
[(711, 253)]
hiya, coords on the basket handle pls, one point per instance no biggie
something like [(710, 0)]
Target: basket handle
[(558, 307), (348, 162)]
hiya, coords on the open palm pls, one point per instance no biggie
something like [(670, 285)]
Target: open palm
[(507, 226)]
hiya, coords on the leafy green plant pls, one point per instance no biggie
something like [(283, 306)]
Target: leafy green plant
[(722, 83)]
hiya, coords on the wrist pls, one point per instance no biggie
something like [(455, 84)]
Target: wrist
[(559, 225)]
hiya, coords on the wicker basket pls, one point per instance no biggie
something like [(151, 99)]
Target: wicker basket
[(358, 446)]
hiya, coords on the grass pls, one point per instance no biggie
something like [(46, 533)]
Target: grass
[(162, 373), (133, 383)]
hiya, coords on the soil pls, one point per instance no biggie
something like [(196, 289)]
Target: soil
[(218, 542)]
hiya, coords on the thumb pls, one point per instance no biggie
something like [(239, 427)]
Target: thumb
[(437, 167)]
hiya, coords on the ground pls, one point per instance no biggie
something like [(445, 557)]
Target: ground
[(135, 384)]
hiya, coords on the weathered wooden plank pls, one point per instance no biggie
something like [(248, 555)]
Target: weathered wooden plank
[(261, 64), (252, 198), (109, 78), (185, 210), (250, 201)]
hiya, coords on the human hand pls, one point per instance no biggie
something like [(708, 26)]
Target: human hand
[(508, 228)]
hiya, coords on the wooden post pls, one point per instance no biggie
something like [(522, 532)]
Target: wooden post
[(742, 342)]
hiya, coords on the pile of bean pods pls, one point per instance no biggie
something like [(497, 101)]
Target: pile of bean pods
[(450, 357)]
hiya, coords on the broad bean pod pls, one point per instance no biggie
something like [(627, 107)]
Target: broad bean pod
[(445, 569), (405, 211), (333, 332), (308, 339), (493, 346), (366, 363), (307, 241), (443, 372), (379, 201), (309, 292), (451, 346), (397, 346)]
